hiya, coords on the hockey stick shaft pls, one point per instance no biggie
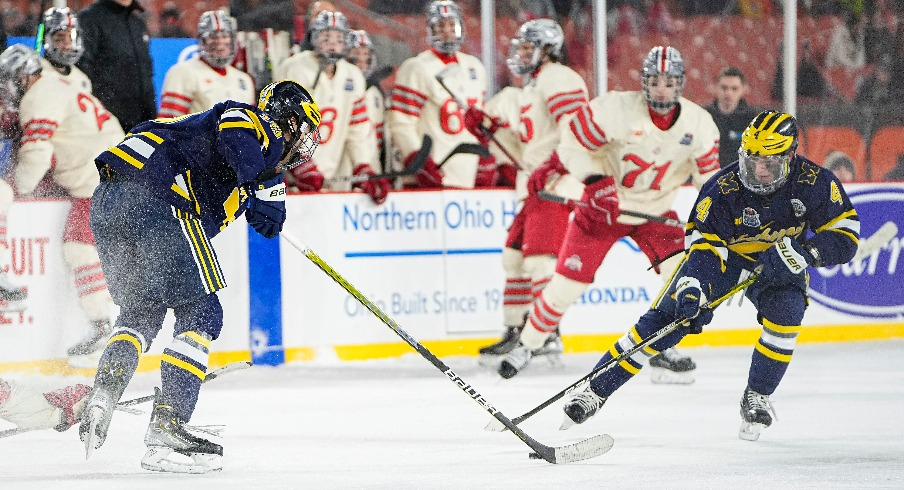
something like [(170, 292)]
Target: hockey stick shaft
[(214, 374), (549, 196), (576, 452), (491, 136), (417, 163), (880, 238), (662, 332)]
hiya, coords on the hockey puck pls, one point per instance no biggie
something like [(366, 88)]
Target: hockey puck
[(534, 455)]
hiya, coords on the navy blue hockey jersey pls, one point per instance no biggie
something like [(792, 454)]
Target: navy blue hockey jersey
[(201, 163), (730, 225)]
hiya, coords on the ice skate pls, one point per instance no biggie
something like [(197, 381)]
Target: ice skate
[(756, 414), (12, 297), (96, 419), (514, 361), (671, 367), (505, 345), (581, 407), (173, 449), (93, 341), (552, 349)]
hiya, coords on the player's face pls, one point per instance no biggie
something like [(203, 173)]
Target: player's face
[(218, 44), (447, 29), (331, 41), (63, 40), (767, 169), (360, 56), (730, 91), (526, 51), (662, 88)]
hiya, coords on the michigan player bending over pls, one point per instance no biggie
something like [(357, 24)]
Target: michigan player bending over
[(168, 188), (774, 212)]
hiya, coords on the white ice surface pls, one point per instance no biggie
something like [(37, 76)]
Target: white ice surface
[(403, 424)]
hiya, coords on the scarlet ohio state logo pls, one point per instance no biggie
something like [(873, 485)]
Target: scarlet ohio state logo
[(574, 263)]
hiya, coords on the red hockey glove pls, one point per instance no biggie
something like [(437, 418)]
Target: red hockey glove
[(71, 400), (542, 174), (428, 177), (487, 172), (474, 120), (602, 204), (377, 189), (307, 177)]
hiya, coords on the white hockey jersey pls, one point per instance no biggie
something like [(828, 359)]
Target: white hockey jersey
[(614, 135), (345, 128), (376, 112), (194, 86), (63, 128), (420, 105), (76, 76)]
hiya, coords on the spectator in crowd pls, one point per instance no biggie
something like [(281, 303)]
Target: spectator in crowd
[(879, 40), (876, 89), (730, 112), (847, 47), (810, 82), (841, 165), (256, 15), (117, 59), (171, 22)]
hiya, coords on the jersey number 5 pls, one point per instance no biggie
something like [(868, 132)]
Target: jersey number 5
[(100, 115)]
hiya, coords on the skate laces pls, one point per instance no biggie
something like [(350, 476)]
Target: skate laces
[(518, 356), (756, 401), (589, 401)]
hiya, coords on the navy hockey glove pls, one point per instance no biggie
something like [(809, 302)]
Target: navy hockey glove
[(784, 261), (688, 299), (267, 207)]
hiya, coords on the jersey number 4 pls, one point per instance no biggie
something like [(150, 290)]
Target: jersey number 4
[(100, 115), (630, 178)]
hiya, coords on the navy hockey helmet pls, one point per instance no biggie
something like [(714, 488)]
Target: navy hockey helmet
[(294, 110), (767, 146), (663, 61), (63, 43)]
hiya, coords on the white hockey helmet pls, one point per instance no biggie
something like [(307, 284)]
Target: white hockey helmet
[(360, 41), (213, 22), (62, 20), (546, 36), (330, 21), (439, 10), (16, 63), (663, 61)]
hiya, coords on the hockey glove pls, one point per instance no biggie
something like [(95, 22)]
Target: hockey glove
[(541, 176), (474, 120), (429, 176), (307, 177), (267, 207), (688, 299), (602, 204), (508, 175), (377, 189), (487, 172), (71, 401), (784, 261)]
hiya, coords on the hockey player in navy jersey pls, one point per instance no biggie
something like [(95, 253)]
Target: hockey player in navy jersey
[(168, 188), (773, 213)]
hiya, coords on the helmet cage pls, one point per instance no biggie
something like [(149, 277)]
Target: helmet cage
[(62, 19), (663, 61), (437, 11), (16, 63), (327, 21), (212, 22)]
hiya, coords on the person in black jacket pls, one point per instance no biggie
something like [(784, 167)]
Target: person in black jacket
[(117, 59), (730, 112)]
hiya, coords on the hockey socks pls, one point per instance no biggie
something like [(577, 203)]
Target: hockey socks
[(771, 356), (183, 369)]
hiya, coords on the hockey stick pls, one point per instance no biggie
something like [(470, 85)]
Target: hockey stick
[(585, 449), (235, 366), (439, 78), (662, 332), (466, 148), (876, 241), (417, 163), (549, 196)]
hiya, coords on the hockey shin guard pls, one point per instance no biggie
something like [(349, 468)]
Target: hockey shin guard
[(182, 370), (771, 356)]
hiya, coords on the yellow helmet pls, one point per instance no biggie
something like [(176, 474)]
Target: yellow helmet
[(764, 158)]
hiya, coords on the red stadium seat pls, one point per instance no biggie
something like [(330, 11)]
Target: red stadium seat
[(884, 150), (816, 142)]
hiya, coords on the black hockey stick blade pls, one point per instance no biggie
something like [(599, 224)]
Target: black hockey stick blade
[(417, 163), (585, 449), (493, 426), (466, 148), (549, 196)]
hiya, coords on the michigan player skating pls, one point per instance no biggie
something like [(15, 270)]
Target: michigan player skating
[(773, 213)]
